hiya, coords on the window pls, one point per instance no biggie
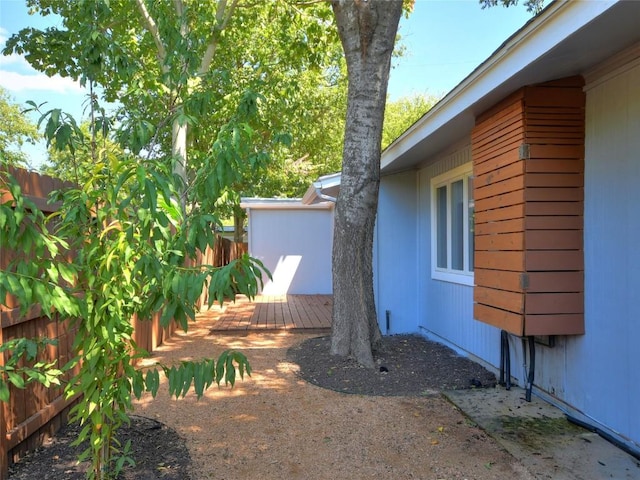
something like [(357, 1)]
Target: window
[(452, 210)]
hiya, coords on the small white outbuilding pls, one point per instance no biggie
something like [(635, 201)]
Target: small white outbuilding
[(293, 238)]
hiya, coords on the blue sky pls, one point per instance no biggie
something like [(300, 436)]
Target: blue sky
[(444, 39)]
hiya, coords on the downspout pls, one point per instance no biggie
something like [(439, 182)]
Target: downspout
[(249, 232), (321, 195)]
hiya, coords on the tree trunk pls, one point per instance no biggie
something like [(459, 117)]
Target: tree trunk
[(238, 224), (367, 30)]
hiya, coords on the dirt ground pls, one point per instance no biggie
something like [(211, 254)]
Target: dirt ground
[(390, 423)]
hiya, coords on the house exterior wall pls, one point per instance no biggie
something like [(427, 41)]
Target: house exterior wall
[(395, 254), (603, 365), (584, 372), (445, 309), (295, 245), (592, 375)]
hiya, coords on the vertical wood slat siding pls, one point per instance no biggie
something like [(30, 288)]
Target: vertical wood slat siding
[(528, 154)]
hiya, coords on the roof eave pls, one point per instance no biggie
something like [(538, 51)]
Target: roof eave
[(506, 70)]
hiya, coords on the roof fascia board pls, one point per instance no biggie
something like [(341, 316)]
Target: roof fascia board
[(285, 206), (557, 22)]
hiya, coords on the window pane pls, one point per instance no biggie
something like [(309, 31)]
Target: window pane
[(457, 225), (441, 226), (472, 209)]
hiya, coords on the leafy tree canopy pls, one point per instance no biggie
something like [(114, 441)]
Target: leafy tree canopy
[(15, 131), (194, 62), (118, 246), (402, 113)]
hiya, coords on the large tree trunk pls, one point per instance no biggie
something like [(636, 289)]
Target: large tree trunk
[(367, 30)]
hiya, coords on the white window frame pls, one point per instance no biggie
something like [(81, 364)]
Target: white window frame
[(465, 276)]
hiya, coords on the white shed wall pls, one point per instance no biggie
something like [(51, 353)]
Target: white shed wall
[(295, 245)]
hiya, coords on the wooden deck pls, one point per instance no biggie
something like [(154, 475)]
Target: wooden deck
[(293, 313)]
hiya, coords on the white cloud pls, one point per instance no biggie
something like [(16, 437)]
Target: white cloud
[(17, 76), (18, 82), (14, 60)]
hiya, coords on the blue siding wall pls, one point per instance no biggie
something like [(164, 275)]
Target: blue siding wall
[(395, 253), (445, 310), (602, 366)]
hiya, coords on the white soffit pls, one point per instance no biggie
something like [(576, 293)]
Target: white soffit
[(566, 39)]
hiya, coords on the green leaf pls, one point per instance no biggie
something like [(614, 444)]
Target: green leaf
[(63, 137), (187, 377), (137, 384), (176, 284), (230, 376), (222, 359), (67, 272), (26, 298), (152, 382), (4, 391), (199, 379), (31, 349), (167, 314), (16, 379)]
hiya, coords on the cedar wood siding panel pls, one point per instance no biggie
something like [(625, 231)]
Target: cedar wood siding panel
[(499, 215), (528, 154)]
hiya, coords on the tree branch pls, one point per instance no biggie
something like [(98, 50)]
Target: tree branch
[(223, 16), (310, 2), (152, 27), (180, 12)]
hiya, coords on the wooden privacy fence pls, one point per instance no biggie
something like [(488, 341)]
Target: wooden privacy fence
[(224, 251), (35, 412)]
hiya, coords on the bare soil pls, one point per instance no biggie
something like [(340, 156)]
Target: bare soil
[(304, 414)]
